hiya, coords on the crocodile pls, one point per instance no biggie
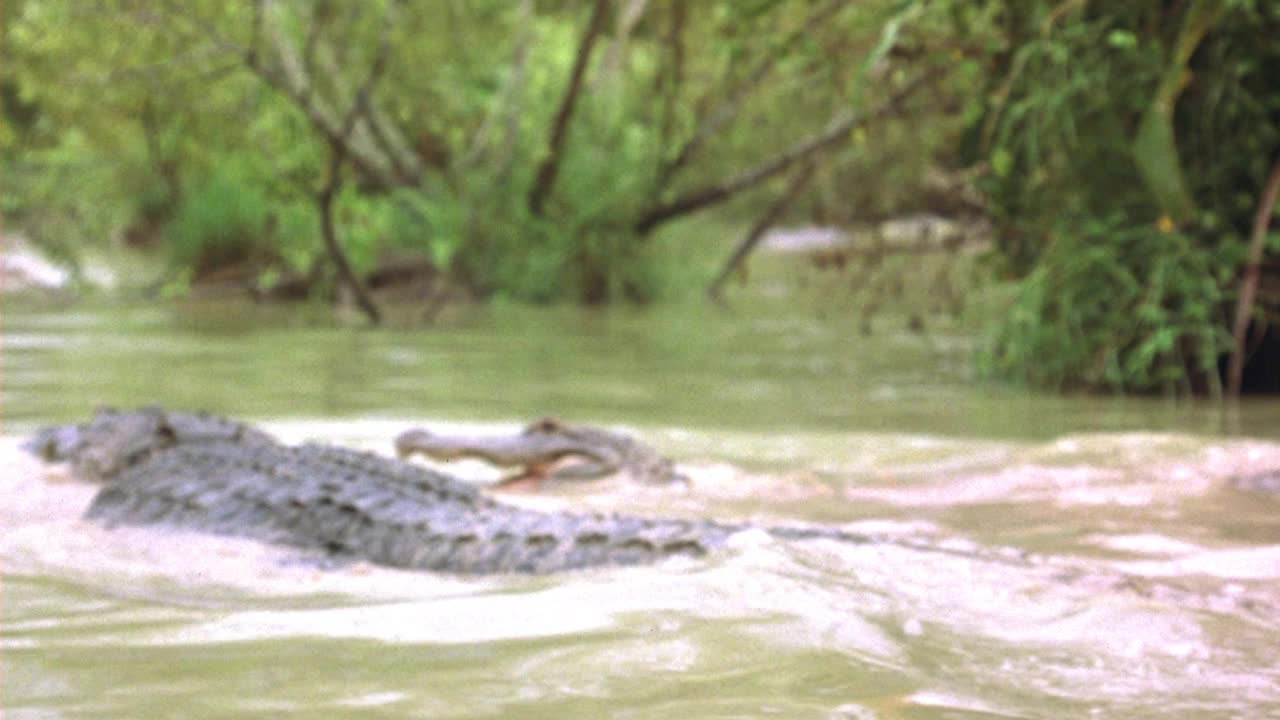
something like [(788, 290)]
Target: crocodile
[(549, 449), (204, 473), (192, 471)]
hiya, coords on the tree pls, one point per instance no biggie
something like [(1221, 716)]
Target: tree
[(589, 160), (1128, 147)]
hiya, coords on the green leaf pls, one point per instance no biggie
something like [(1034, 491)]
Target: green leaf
[(1122, 39), (1001, 162)]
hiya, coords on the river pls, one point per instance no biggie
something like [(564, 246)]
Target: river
[(1154, 592)]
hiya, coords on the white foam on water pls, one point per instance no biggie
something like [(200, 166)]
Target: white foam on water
[(1238, 563), (1072, 626)]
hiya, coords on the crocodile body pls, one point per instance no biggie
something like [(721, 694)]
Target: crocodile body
[(549, 449), (213, 475)]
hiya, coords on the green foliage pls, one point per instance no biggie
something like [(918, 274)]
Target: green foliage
[(581, 248), (1113, 305), (498, 248), (222, 221), (1100, 156), (296, 231), (196, 135), (366, 223), (64, 191), (1123, 144)]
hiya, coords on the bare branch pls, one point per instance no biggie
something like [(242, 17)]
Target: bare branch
[(766, 221), (255, 35), (294, 82), (374, 127), (728, 109), (672, 81), (360, 104), (1249, 283), (509, 103), (273, 57), (837, 130), (630, 16), (550, 166), (338, 148)]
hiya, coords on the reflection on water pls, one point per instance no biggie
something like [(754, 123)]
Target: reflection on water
[(1154, 592)]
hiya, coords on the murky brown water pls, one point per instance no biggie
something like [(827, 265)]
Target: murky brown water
[(1155, 593)]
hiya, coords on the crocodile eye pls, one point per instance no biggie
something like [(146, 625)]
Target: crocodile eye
[(167, 434), (545, 425)]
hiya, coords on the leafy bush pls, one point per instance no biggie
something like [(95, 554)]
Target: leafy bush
[(221, 221), (1125, 221), (65, 196), (582, 248), (1114, 305)]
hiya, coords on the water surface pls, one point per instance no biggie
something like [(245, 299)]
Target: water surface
[(768, 368), (1153, 594)]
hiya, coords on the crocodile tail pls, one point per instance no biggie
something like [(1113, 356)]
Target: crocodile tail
[(802, 532), (955, 547)]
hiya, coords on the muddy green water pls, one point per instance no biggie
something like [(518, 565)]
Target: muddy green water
[(1156, 594)]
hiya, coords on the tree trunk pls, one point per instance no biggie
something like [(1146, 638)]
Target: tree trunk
[(1249, 282), (345, 273)]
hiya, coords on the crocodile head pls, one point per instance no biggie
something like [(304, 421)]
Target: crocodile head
[(527, 448), (117, 439), (105, 445), (542, 446), (425, 442)]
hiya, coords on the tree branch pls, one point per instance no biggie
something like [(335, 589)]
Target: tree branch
[(728, 109), (766, 221), (337, 156), (374, 126), (1249, 283), (292, 80), (550, 166), (509, 104), (255, 35), (836, 132), (671, 83), (628, 19)]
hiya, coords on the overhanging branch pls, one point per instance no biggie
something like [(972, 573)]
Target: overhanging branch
[(836, 132), (728, 109), (374, 126), (766, 221), (290, 78), (550, 166)]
